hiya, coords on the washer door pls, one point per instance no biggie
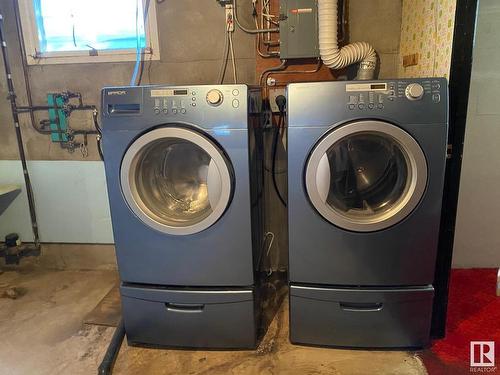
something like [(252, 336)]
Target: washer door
[(176, 180), (366, 176)]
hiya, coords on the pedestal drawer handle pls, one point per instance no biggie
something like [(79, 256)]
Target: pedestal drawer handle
[(184, 308), (363, 307)]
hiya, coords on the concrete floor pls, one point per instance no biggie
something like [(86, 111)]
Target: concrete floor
[(42, 332)]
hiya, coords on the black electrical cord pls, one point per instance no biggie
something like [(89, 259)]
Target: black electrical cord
[(281, 103), (276, 137), (99, 134), (99, 147)]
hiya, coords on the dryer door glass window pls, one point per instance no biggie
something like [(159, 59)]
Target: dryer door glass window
[(176, 180), (366, 176)]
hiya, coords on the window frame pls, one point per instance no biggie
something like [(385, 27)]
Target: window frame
[(34, 57)]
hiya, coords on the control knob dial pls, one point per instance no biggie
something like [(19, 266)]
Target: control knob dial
[(214, 97), (414, 91)]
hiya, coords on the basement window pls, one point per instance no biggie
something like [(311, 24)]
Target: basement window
[(77, 31)]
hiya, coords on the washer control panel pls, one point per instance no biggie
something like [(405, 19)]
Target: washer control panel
[(368, 96), (180, 101), (219, 107)]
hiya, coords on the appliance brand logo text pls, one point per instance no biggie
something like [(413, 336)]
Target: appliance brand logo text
[(120, 92)]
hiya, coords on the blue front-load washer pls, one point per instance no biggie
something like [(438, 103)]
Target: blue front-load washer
[(366, 163), (183, 169)]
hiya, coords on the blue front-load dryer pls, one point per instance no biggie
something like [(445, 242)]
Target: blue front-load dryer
[(183, 175), (366, 163)]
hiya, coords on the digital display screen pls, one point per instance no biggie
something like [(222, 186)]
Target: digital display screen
[(360, 87), (180, 92)]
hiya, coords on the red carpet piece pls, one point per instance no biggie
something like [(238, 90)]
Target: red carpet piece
[(473, 315)]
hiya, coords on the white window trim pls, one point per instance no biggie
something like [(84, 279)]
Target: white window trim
[(31, 42)]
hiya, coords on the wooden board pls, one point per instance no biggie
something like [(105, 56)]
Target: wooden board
[(108, 311)]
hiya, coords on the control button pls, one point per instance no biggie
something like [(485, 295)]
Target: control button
[(380, 106), (183, 111), (236, 92), (371, 105), (193, 93), (165, 110), (193, 99), (414, 91), (157, 111), (193, 104), (236, 103), (361, 106), (436, 98), (214, 97), (352, 106), (174, 111)]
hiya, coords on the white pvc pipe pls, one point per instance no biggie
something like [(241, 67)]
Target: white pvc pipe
[(336, 58)]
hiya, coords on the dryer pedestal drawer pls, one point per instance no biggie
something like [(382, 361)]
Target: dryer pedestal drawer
[(189, 318), (361, 317)]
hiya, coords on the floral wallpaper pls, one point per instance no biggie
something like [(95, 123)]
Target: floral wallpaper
[(427, 29)]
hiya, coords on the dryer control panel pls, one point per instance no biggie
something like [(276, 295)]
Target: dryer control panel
[(376, 95), (407, 100)]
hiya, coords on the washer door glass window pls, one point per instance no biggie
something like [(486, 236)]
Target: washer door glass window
[(366, 176), (176, 180)]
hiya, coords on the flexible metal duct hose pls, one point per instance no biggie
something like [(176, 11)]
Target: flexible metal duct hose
[(336, 58)]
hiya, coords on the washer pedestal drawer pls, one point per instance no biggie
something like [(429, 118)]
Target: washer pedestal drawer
[(189, 318), (361, 317)]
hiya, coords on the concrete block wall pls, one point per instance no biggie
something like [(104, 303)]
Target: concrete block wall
[(379, 23), (191, 35)]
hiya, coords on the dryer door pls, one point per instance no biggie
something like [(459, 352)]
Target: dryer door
[(366, 175), (176, 180)]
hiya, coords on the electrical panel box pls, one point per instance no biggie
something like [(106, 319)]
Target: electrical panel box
[(298, 29)]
